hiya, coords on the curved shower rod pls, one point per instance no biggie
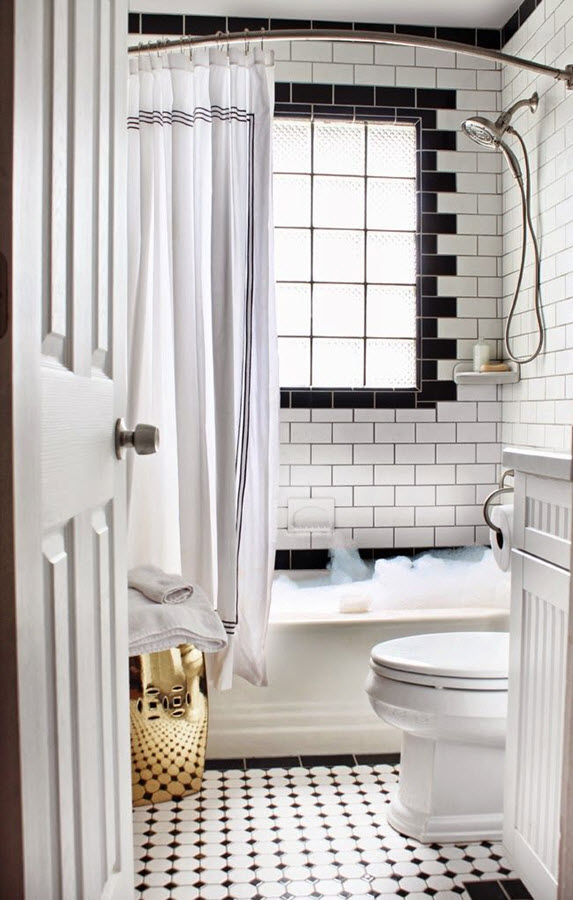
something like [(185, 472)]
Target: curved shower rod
[(364, 37)]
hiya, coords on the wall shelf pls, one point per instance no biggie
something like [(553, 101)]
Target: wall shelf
[(464, 374)]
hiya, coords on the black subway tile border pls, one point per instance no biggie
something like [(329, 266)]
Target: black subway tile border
[(173, 24), (160, 23), (431, 224), (286, 560)]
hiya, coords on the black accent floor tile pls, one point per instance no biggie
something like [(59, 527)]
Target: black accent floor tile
[(222, 765), (515, 889), (340, 759), (273, 762), (377, 759), (484, 890)]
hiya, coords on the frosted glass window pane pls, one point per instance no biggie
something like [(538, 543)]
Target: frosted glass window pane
[(338, 202), (291, 146), (390, 364), (294, 362), (338, 255), (338, 309), (391, 204), (292, 254), (390, 311), (292, 200), (392, 150), (391, 257), (338, 148), (337, 363), (293, 308)]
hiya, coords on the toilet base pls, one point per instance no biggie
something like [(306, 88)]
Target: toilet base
[(444, 829), (449, 792)]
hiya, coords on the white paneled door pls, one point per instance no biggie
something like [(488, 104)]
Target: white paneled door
[(69, 309)]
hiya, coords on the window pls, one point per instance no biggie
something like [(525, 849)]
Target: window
[(346, 259)]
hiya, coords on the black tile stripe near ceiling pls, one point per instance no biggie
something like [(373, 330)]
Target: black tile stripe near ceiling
[(169, 24)]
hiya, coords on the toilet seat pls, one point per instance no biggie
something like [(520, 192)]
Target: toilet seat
[(475, 661)]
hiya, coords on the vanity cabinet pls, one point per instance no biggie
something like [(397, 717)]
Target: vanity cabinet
[(537, 737)]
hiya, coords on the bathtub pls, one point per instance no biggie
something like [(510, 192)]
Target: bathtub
[(315, 701)]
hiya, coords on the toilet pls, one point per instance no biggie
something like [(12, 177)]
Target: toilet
[(448, 695)]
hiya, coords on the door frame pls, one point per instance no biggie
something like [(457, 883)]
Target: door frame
[(11, 839)]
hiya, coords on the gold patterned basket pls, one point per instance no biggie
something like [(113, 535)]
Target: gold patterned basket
[(169, 719)]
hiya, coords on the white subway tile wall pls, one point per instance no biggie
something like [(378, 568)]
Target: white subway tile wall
[(409, 478), (538, 411), (395, 484)]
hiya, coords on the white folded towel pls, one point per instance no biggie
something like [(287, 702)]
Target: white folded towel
[(154, 627), (158, 585)]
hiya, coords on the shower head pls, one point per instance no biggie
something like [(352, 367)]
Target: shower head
[(489, 134), (482, 131)]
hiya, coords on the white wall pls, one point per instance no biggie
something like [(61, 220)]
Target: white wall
[(539, 410), (405, 478)]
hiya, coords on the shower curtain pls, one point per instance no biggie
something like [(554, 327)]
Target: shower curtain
[(201, 330)]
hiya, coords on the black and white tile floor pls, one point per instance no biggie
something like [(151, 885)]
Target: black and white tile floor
[(259, 831)]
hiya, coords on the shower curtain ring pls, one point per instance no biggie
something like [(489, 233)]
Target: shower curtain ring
[(262, 34), (246, 33)]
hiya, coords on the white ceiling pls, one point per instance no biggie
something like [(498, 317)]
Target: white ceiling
[(469, 13)]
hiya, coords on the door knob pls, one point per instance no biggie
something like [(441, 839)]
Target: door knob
[(144, 439)]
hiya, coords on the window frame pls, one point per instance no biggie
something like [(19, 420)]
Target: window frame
[(364, 396)]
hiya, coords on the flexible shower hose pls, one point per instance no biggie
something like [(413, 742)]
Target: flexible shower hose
[(526, 223)]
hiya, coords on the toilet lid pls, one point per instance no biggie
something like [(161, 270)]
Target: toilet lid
[(467, 654)]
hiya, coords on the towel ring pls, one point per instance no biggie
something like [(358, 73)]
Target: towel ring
[(502, 489)]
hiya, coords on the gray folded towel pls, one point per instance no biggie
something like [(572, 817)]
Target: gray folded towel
[(153, 628), (159, 586)]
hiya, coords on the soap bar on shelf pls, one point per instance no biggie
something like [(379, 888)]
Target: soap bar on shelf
[(495, 367)]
